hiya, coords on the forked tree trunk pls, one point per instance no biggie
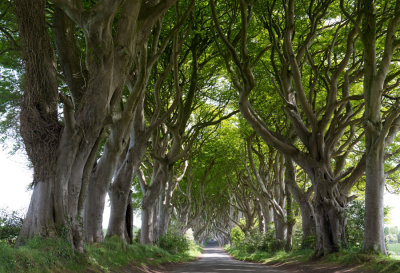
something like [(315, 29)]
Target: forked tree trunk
[(100, 181), (329, 214), (95, 201), (119, 190), (306, 208)]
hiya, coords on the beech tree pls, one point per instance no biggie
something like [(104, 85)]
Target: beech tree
[(379, 132), (127, 123), (326, 130), (270, 185), (121, 92), (63, 152)]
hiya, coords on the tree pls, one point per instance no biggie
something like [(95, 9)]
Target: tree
[(378, 132), (127, 123), (62, 152), (323, 118)]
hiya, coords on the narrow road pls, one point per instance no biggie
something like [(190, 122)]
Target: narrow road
[(215, 259)]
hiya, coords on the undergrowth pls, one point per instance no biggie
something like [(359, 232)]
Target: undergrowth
[(370, 262), (56, 255)]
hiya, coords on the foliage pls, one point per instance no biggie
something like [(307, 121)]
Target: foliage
[(256, 241), (355, 223), (10, 225), (174, 243), (253, 241), (267, 256), (237, 236), (394, 251)]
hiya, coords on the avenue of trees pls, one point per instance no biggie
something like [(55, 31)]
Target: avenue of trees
[(210, 115)]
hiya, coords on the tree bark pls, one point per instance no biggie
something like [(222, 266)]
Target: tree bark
[(150, 201), (329, 213), (378, 134), (40, 129), (119, 190), (306, 209), (98, 186)]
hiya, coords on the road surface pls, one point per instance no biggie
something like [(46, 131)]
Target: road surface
[(214, 259)]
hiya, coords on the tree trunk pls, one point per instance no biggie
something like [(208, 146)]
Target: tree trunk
[(150, 201), (40, 129), (280, 232), (307, 224), (119, 200), (260, 219), (267, 215), (95, 201), (119, 190), (290, 220), (329, 214), (39, 219), (163, 214), (100, 181), (306, 208), (146, 231), (374, 237)]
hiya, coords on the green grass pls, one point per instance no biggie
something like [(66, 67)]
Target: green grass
[(268, 257), (394, 251), (56, 255), (374, 263)]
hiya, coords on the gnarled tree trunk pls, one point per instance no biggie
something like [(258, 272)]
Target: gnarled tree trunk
[(40, 129), (329, 213)]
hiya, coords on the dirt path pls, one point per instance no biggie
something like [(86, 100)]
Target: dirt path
[(215, 259)]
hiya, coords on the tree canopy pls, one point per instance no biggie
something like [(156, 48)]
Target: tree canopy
[(204, 114)]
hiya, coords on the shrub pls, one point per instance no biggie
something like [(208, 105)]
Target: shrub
[(256, 241), (137, 236), (10, 225), (355, 223), (237, 236), (174, 243)]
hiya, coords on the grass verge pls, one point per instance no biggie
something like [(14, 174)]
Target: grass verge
[(56, 255), (351, 258)]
